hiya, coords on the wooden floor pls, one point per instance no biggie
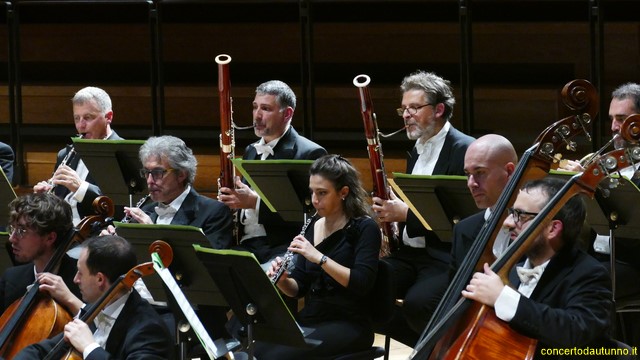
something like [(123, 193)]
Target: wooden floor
[(398, 351)]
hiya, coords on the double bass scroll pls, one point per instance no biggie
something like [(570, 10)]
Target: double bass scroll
[(390, 233)]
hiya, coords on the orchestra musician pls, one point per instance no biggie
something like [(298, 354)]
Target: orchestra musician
[(625, 101), (92, 115), (127, 328), (336, 267), (261, 231), (489, 162), (563, 297), (38, 223), (427, 108)]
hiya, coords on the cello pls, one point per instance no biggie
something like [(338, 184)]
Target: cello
[(64, 350), (581, 98), (479, 333), (44, 316)]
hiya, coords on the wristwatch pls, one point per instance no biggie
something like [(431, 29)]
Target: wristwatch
[(323, 260)]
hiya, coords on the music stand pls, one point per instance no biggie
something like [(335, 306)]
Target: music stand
[(188, 271), (439, 201), (282, 184), (112, 160), (7, 194), (255, 301)]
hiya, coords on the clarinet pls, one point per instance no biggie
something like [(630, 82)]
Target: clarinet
[(67, 159), (390, 233), (127, 218), (287, 261)]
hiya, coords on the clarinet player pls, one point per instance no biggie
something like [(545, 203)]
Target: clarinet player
[(336, 266), (71, 181)]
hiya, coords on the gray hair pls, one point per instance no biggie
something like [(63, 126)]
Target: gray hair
[(179, 156), (283, 93), (628, 91), (102, 99), (437, 89)]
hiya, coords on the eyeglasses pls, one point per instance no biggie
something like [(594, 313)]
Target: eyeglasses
[(412, 110), (156, 174), (16, 231), (518, 214)]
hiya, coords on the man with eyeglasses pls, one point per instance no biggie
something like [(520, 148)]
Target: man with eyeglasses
[(169, 168), (92, 115), (427, 108), (560, 295), (38, 224), (625, 101)]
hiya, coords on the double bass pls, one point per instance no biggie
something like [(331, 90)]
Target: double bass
[(581, 98), (62, 349), (481, 333), (44, 316)]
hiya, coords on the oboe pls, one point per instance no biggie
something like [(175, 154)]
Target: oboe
[(127, 218), (287, 261)]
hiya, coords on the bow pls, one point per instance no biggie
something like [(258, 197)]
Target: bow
[(526, 275), (263, 148), (165, 210)]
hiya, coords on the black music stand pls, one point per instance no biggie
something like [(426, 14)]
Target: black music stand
[(187, 270), (109, 161), (6, 257), (7, 194), (283, 185), (255, 301), (439, 201)]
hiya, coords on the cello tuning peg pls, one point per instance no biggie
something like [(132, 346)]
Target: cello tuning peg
[(572, 146), (605, 192)]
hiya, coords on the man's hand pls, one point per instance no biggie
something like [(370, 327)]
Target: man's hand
[(66, 177), (392, 210), (138, 215), (570, 165), (78, 334), (242, 197), (41, 187), (58, 290), (484, 287)]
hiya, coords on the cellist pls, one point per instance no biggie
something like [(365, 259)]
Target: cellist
[(563, 296), (128, 327), (38, 223)]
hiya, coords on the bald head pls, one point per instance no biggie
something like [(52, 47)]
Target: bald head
[(489, 162)]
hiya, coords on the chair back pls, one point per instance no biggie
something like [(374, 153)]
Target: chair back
[(383, 294)]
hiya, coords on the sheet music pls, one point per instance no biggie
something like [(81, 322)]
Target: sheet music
[(187, 310)]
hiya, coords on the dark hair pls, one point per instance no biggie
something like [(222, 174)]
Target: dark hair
[(341, 173), (111, 255), (284, 95), (44, 213), (572, 214)]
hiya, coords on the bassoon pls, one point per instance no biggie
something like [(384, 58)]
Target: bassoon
[(227, 136), (390, 235), (227, 132)]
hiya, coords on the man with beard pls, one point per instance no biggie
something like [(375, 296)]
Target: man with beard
[(561, 296), (427, 108), (625, 101), (261, 231)]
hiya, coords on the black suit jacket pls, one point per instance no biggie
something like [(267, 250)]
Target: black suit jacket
[(464, 234), (291, 146), (6, 160), (138, 333), (14, 281), (450, 162), (212, 216), (85, 207), (570, 306)]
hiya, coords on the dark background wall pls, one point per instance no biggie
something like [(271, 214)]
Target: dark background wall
[(507, 61)]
